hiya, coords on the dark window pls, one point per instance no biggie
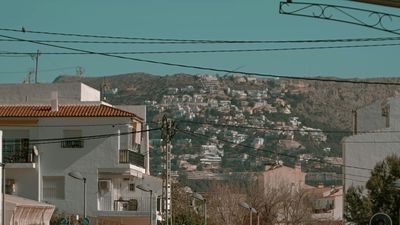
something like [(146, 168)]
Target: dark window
[(70, 141)]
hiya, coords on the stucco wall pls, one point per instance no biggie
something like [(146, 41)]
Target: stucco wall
[(57, 161), (370, 117), (89, 93), (364, 151), (26, 182), (41, 93)]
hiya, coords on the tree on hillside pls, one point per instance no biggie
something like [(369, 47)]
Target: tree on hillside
[(380, 195)]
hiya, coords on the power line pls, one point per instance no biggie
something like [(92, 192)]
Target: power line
[(193, 40), (205, 68), (183, 41), (211, 51), (89, 137), (44, 70)]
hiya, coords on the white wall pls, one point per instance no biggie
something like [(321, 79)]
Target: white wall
[(338, 210), (26, 181), (370, 117), (364, 151), (57, 161), (41, 93), (89, 93), (97, 153)]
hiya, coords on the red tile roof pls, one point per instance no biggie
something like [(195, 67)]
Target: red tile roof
[(63, 111)]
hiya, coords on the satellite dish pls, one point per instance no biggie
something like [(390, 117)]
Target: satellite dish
[(380, 219)]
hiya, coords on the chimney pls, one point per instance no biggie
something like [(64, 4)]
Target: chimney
[(54, 101), (354, 114)]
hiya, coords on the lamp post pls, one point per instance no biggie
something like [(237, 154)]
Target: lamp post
[(79, 176), (147, 189), (251, 210), (396, 185), (201, 198)]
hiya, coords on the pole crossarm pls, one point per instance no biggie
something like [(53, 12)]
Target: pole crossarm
[(367, 18)]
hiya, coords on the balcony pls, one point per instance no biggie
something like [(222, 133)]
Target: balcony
[(17, 151), (131, 157)]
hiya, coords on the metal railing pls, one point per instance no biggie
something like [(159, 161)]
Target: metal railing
[(17, 150), (21, 156), (131, 157)]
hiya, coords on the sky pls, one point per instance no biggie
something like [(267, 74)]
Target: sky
[(187, 19)]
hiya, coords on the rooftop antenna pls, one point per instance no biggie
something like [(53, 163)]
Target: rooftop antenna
[(28, 77), (79, 71), (36, 58)]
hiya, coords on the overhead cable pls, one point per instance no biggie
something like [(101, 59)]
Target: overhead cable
[(208, 51)]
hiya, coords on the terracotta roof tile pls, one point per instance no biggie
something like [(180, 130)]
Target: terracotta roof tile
[(64, 111)]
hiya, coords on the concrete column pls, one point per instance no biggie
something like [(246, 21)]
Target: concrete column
[(145, 143)]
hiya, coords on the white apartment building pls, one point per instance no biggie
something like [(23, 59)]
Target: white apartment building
[(43, 143), (377, 127), (328, 203)]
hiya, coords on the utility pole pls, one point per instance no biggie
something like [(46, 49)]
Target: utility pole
[(167, 132), (37, 64)]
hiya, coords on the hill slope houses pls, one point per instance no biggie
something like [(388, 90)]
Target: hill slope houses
[(326, 103)]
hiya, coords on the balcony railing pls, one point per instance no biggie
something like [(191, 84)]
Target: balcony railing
[(131, 157), (17, 151)]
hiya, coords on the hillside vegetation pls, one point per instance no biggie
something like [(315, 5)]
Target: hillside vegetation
[(326, 103)]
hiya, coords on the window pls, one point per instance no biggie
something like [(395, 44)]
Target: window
[(53, 187), (10, 186), (132, 187), (104, 187), (70, 142)]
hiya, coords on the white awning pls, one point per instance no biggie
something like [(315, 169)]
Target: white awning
[(22, 211)]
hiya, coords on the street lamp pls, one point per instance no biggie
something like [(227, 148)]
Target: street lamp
[(251, 210), (79, 176), (147, 189), (201, 198)]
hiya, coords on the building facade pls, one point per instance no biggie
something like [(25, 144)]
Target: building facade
[(375, 127), (45, 140)]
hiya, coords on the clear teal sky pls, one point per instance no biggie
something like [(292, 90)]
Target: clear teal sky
[(186, 19)]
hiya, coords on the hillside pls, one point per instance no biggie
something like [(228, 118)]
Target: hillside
[(322, 102), (242, 123)]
